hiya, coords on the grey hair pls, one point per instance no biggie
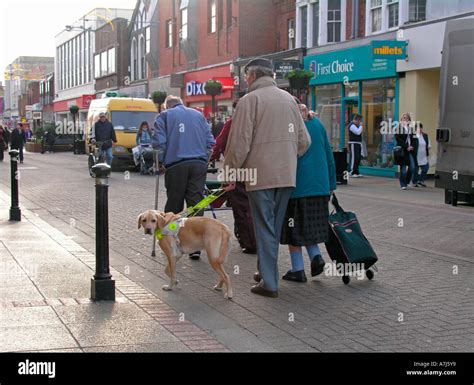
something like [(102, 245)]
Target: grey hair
[(172, 101), (260, 71)]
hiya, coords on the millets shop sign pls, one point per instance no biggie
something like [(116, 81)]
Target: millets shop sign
[(348, 65)]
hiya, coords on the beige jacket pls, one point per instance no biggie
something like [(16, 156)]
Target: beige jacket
[(267, 136)]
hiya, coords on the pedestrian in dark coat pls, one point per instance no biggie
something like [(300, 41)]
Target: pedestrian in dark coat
[(3, 142), (18, 140), (407, 139)]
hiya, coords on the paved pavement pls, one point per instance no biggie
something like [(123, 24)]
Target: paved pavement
[(420, 300)]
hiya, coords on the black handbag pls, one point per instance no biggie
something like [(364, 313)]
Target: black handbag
[(398, 155)]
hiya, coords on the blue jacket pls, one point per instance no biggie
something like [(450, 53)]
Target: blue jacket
[(181, 134), (316, 171)]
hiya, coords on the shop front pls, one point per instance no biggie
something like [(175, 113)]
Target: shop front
[(350, 81), (61, 109), (194, 95)]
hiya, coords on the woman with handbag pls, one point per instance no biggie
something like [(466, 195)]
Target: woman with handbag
[(307, 214), (423, 154), (406, 150)]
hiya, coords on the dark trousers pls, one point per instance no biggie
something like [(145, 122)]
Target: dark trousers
[(243, 221), (356, 155), (185, 182), (408, 171)]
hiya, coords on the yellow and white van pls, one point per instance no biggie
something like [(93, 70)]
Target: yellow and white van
[(126, 115)]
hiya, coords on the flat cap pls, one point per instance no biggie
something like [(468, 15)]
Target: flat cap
[(261, 62)]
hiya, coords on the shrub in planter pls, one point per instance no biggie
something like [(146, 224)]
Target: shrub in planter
[(159, 97), (213, 87), (299, 79)]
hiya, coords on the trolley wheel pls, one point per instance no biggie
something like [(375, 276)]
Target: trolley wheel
[(346, 279), (369, 274), (257, 277)]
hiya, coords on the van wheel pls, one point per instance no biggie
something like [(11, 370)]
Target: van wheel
[(369, 274), (346, 279)]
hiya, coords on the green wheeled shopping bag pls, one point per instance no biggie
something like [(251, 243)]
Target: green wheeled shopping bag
[(347, 245)]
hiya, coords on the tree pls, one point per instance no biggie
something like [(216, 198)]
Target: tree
[(159, 98)]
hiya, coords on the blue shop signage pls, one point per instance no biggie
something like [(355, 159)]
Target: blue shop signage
[(348, 65)]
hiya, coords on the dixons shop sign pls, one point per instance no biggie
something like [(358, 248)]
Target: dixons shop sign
[(348, 65)]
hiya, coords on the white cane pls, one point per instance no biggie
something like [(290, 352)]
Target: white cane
[(157, 191)]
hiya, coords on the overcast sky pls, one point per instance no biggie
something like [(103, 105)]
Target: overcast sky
[(28, 27)]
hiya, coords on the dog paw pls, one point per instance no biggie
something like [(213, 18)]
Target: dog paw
[(217, 288), (167, 288)]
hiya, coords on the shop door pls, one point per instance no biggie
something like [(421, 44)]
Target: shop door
[(350, 107)]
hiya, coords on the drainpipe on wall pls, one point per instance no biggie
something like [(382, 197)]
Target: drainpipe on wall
[(353, 26), (356, 24)]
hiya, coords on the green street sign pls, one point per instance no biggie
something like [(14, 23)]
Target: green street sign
[(389, 49)]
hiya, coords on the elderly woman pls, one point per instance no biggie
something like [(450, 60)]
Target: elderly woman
[(306, 219)]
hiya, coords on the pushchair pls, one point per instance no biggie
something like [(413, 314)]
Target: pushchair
[(147, 160)]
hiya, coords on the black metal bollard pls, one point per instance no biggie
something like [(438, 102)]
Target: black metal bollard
[(15, 212), (102, 285)]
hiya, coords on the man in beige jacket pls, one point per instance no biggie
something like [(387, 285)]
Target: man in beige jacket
[(268, 134)]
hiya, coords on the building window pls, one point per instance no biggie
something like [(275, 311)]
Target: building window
[(103, 63), (417, 10), (169, 34), (111, 61), (315, 23), (134, 60), (147, 38), (334, 21), (392, 13), (291, 34), (220, 17), (142, 58), (97, 66), (376, 15), (184, 24), (212, 19), (229, 13), (304, 26)]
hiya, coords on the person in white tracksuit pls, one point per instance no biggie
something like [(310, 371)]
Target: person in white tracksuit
[(355, 144)]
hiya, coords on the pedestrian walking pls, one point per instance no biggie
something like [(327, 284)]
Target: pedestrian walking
[(18, 140), (408, 142), (3, 142), (267, 136), (307, 214), (237, 198), (422, 156), (185, 141), (355, 142), (103, 131)]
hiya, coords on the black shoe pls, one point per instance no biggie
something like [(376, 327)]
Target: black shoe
[(257, 289), (317, 265), (296, 276), (195, 256), (257, 277), (248, 250)]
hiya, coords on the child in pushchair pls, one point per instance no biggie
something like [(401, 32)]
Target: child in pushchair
[(144, 152)]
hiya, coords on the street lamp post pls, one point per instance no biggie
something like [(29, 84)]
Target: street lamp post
[(15, 212)]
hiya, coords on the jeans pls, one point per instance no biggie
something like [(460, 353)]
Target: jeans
[(109, 156), (424, 172), (269, 209), (407, 172)]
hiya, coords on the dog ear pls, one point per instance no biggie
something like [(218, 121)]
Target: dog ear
[(140, 221), (160, 219)]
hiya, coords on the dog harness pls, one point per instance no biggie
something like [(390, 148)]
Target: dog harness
[(171, 228)]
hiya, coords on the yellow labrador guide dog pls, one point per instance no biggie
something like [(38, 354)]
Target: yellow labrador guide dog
[(178, 236)]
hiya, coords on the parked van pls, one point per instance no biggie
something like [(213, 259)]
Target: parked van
[(455, 135), (126, 115)]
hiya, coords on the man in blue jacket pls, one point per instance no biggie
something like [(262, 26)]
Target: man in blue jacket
[(185, 141)]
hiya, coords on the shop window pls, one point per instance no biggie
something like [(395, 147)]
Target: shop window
[(103, 63), (417, 10), (376, 15), (328, 108), (392, 13), (111, 61), (378, 110), (97, 66), (334, 21)]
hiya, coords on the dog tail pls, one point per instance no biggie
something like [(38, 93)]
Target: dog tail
[(225, 245)]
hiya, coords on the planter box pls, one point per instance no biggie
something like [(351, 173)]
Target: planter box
[(33, 147)]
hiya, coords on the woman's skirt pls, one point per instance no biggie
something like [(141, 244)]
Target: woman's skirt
[(306, 221)]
